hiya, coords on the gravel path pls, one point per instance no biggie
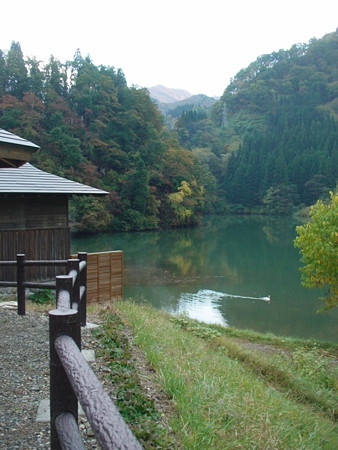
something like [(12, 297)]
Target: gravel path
[(24, 375)]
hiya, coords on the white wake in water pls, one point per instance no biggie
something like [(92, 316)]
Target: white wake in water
[(219, 295), (202, 306), (205, 304)]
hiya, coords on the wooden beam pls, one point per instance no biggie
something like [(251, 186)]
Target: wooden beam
[(7, 162), (19, 152)]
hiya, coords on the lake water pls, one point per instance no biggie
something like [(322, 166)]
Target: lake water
[(223, 272)]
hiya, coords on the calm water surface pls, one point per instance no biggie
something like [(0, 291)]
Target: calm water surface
[(222, 272)]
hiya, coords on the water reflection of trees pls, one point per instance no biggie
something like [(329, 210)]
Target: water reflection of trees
[(228, 247), (279, 229)]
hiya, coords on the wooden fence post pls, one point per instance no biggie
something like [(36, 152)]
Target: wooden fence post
[(21, 290), (73, 270), (62, 396), (62, 321), (64, 286), (82, 256)]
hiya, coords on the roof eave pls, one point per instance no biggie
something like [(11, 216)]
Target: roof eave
[(14, 150), (15, 155)]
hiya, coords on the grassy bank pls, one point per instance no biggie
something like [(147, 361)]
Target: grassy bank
[(227, 388)]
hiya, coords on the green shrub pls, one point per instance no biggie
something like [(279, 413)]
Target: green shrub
[(42, 296)]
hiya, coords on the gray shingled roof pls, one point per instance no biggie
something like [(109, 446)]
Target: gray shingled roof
[(27, 179), (10, 138)]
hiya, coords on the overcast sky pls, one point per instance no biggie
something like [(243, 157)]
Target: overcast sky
[(197, 45)]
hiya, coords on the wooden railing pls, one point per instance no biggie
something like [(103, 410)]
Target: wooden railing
[(72, 381), (72, 266)]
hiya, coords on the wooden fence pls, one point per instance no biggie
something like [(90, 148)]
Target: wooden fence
[(72, 265), (72, 381), (105, 276)]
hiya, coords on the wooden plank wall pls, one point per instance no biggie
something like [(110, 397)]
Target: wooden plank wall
[(44, 244), (36, 225), (29, 212), (104, 276)]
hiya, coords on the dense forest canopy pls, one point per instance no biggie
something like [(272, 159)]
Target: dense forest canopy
[(274, 131), (269, 145), (93, 128)]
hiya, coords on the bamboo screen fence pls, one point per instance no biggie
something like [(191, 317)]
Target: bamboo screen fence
[(104, 276)]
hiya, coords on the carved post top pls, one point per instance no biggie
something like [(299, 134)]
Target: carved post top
[(62, 312)]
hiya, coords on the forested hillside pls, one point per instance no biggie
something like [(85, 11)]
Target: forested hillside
[(272, 139), (172, 111), (269, 145), (94, 129)]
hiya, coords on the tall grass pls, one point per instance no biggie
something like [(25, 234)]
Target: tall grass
[(307, 373), (220, 402), (302, 375)]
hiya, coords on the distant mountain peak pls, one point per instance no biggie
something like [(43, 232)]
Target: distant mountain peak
[(164, 94)]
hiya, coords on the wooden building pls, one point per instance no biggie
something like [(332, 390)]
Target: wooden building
[(33, 208)]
